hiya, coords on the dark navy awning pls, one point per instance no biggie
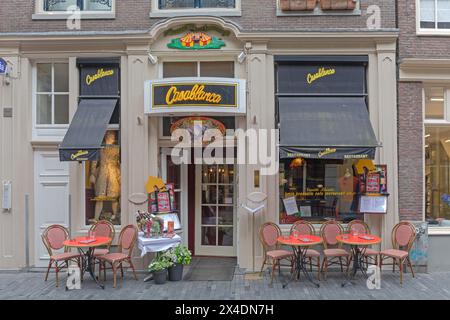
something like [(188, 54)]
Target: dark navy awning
[(86, 132), (325, 128)]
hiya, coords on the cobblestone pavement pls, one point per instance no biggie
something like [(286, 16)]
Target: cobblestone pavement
[(31, 285)]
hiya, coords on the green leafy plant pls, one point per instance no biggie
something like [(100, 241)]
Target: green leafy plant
[(179, 255), (159, 264)]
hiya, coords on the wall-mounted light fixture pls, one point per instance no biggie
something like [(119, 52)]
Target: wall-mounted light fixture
[(153, 60)]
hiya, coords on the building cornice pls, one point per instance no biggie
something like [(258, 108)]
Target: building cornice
[(415, 69)]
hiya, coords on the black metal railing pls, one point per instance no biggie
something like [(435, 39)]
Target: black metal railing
[(178, 4), (84, 5)]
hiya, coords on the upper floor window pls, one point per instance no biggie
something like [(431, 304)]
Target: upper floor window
[(63, 9), (175, 4), (84, 5), (434, 14), (52, 94), (164, 8)]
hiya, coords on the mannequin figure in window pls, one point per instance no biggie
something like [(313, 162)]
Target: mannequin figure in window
[(105, 176), (348, 184)]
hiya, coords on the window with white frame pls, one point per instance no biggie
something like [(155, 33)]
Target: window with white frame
[(84, 5), (434, 14), (63, 9), (177, 4), (52, 94), (437, 156), (181, 7)]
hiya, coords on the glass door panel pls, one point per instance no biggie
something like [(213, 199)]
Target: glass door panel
[(215, 223)]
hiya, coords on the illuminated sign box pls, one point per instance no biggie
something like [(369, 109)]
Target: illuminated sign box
[(195, 96)]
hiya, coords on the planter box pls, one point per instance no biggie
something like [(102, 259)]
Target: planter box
[(297, 5), (337, 4)]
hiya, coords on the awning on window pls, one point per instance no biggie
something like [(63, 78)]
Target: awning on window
[(87, 130), (325, 128)]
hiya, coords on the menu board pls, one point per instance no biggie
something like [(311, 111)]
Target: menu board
[(373, 204)]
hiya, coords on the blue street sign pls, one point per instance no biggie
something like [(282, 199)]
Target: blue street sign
[(3, 66)]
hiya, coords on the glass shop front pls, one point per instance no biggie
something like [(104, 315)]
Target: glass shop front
[(326, 138)]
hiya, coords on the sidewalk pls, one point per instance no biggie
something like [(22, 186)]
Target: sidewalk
[(31, 285)]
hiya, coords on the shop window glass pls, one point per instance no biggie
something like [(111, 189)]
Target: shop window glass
[(102, 182), (437, 174), (434, 103), (323, 189), (180, 69), (52, 94), (223, 69), (84, 5)]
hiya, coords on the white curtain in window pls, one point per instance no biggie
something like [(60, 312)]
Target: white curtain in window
[(59, 5), (443, 10), (427, 10), (97, 5)]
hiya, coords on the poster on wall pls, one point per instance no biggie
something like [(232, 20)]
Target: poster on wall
[(373, 182), (290, 204)]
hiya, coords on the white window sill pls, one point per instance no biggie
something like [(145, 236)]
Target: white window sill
[(318, 12), (195, 12), (438, 231), (70, 15), (433, 32)]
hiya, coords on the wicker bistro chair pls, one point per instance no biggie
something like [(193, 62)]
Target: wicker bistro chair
[(268, 235), (370, 255), (403, 236), (127, 240), (333, 252), (306, 228), (53, 238), (102, 228)]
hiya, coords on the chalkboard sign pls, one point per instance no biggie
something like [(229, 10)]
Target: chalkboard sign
[(373, 204)]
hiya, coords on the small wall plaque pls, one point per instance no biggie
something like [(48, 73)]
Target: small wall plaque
[(7, 112)]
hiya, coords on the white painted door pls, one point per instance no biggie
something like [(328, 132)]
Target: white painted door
[(215, 217), (177, 174), (51, 202)]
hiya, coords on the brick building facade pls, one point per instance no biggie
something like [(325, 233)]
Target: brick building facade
[(43, 56)]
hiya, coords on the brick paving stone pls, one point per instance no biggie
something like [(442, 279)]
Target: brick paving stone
[(31, 285)]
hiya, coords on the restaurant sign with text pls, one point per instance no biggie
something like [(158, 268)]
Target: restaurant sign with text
[(195, 95)]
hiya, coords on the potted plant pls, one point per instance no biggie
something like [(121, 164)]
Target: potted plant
[(338, 4), (179, 256), (297, 5), (159, 268)]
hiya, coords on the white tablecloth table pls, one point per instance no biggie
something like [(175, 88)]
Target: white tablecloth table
[(152, 245)]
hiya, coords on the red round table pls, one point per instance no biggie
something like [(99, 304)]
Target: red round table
[(358, 244), (86, 248), (300, 246)]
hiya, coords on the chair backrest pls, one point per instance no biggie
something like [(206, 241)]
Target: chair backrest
[(127, 239), (329, 231), (268, 234), (303, 227), (403, 235), (104, 228), (54, 236), (358, 225)]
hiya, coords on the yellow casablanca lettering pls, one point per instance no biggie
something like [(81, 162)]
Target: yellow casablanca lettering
[(79, 154), (321, 73), (197, 93), (326, 151), (100, 74)]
